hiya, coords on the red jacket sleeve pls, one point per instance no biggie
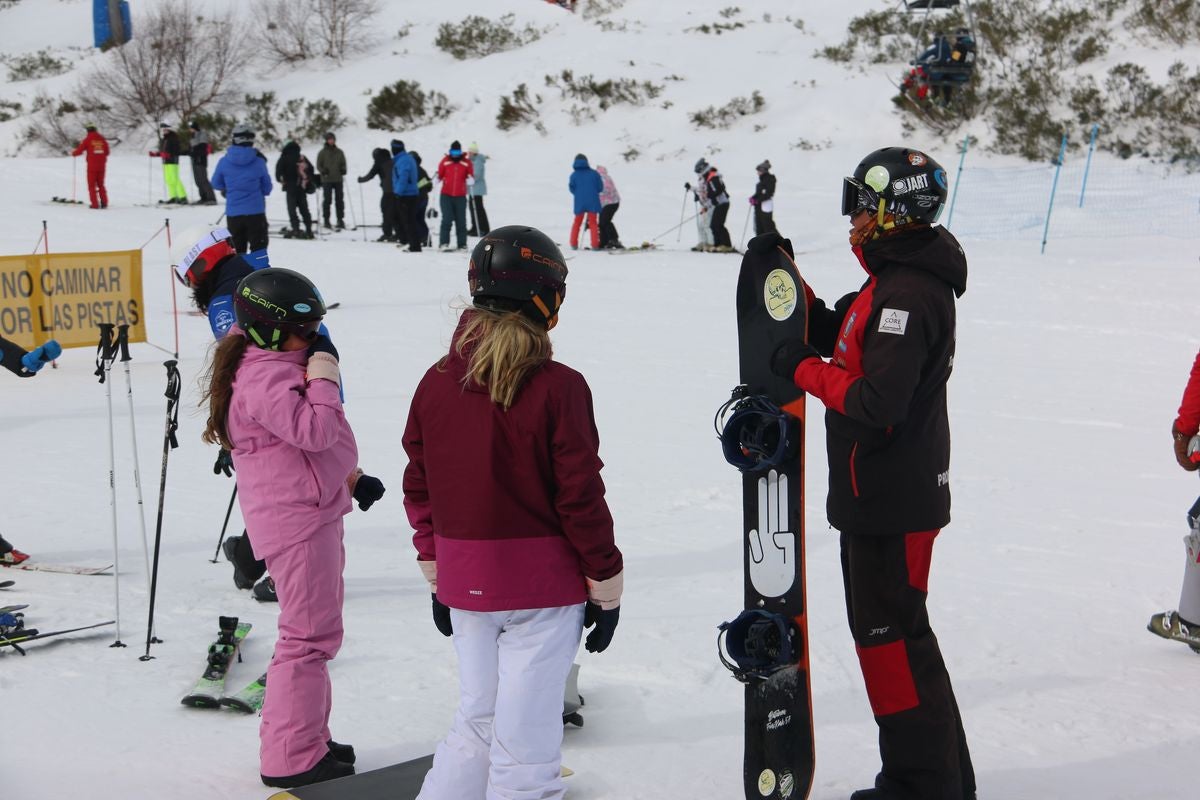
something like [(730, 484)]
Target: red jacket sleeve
[(1188, 420)]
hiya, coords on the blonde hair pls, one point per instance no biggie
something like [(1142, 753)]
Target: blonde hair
[(502, 349), (216, 388)]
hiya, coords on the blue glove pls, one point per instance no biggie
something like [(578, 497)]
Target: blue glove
[(36, 358)]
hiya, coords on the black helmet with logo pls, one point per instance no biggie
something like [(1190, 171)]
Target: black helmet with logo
[(518, 268), (243, 134), (269, 304), (900, 181)]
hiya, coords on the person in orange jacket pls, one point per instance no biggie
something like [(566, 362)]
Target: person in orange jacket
[(96, 148)]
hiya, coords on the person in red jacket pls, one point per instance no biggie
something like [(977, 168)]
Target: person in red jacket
[(456, 173), (95, 147), (1183, 624), (891, 349), (513, 533)]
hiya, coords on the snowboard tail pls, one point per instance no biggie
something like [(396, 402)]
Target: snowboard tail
[(779, 750)]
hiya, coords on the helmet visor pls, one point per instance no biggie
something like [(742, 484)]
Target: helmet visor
[(857, 196)]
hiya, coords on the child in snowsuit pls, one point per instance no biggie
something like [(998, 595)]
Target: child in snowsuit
[(1183, 624), (242, 179), (713, 188), (703, 207), (274, 403), (95, 147), (585, 185), (610, 201), (513, 534)]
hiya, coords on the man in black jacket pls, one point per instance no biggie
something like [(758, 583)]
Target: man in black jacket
[(199, 150), (888, 441), (764, 200)]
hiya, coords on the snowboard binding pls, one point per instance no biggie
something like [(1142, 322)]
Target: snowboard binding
[(755, 433), (757, 644)]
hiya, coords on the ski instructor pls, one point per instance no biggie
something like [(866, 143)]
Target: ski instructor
[(888, 442)]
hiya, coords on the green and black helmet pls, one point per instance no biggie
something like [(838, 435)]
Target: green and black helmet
[(269, 304)]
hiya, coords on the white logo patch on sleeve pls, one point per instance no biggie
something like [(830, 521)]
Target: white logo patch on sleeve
[(893, 320)]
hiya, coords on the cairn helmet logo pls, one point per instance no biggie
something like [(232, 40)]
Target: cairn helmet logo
[(902, 186), (272, 304), (210, 248), (518, 268)]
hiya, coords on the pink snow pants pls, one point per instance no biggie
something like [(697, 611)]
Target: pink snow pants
[(295, 716), (593, 229), (506, 740)]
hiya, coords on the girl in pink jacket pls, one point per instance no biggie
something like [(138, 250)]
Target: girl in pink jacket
[(273, 398), (512, 531)]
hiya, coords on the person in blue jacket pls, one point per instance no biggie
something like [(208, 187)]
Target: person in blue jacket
[(586, 185), (243, 180), (408, 196)]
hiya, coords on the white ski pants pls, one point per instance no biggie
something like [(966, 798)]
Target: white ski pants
[(1189, 595), (506, 740)]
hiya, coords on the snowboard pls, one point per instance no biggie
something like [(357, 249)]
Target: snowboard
[(772, 306), (398, 782)]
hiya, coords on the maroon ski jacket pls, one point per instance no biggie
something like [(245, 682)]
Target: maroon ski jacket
[(508, 504)]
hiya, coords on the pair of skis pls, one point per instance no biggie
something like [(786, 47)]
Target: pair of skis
[(209, 691)]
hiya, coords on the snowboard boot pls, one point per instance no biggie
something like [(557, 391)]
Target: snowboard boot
[(240, 579), (308, 232), (264, 592), (326, 225), (327, 769), (1170, 625), (341, 226), (13, 556), (344, 753)]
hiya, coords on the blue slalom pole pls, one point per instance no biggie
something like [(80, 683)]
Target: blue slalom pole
[(1087, 167), (957, 179), (1062, 153)]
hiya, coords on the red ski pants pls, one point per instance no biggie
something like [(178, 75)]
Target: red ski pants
[(593, 226), (95, 183)]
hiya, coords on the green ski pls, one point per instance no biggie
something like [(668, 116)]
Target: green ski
[(250, 698), (221, 653)]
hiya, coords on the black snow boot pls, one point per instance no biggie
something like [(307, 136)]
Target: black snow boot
[(326, 769), (240, 580), (342, 752), (264, 591)]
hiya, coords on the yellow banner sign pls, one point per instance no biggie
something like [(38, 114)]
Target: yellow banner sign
[(65, 296)]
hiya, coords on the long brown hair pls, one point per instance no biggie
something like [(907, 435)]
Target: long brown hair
[(216, 387), (502, 349)]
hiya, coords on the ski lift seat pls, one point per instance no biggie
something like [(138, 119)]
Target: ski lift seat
[(922, 5)]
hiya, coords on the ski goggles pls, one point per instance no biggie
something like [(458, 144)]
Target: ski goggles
[(857, 196)]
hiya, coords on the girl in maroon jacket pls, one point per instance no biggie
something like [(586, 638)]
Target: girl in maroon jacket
[(513, 534)]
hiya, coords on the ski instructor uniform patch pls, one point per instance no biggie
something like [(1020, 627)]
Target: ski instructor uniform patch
[(893, 321)]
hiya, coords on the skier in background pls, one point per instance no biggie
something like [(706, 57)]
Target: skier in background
[(513, 533), (199, 150), (23, 364), (294, 173), (1183, 623), (610, 201), (703, 208), (381, 167), (888, 442), (585, 185), (408, 196), (763, 200), (477, 191), (95, 148), (169, 150), (456, 174), (331, 166), (296, 460), (713, 187), (424, 187), (242, 178)]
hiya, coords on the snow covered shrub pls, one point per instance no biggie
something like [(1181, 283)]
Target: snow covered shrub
[(1176, 21), (32, 66), (9, 109), (519, 109), (405, 104), (476, 37), (590, 95), (296, 30), (55, 122), (728, 114), (296, 119)]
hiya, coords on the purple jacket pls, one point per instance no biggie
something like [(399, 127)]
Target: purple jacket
[(293, 449), (509, 504)]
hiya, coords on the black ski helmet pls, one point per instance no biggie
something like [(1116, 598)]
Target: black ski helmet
[(271, 303), (900, 181), (701, 166), (519, 268)]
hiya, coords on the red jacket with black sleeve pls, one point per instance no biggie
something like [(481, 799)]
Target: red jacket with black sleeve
[(887, 430), (509, 505)]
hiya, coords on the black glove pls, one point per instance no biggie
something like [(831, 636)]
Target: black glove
[(441, 617), (224, 463), (606, 624), (788, 355), (367, 490), (322, 345), (687, 186)]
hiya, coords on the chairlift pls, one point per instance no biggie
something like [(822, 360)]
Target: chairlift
[(949, 62)]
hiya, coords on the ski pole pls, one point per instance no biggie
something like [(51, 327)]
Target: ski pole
[(363, 205), (169, 443), (123, 345), (225, 525), (350, 205), (674, 227), (687, 187), (74, 175), (742, 243), (106, 354)]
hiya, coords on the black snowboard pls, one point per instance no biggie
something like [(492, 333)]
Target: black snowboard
[(398, 782), (771, 307)]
